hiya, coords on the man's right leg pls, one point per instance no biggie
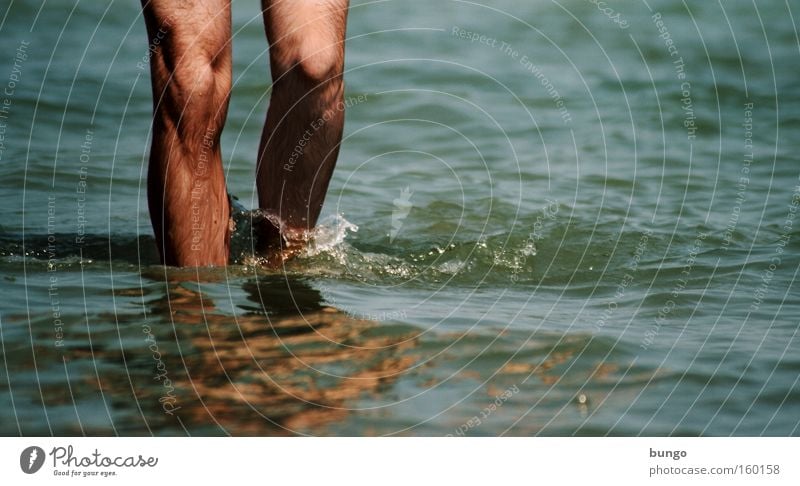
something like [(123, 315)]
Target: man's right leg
[(190, 67)]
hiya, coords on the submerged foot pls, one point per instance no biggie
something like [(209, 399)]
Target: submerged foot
[(274, 243)]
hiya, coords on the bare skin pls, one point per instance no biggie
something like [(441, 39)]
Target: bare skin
[(191, 74), (303, 129)]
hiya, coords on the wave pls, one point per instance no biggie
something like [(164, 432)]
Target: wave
[(578, 252)]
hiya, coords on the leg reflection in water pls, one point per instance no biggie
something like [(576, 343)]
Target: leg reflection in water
[(293, 367)]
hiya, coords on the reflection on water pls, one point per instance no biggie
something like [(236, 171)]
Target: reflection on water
[(176, 357), (285, 364), (212, 353)]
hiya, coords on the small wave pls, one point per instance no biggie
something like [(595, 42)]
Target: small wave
[(332, 254), (330, 250)]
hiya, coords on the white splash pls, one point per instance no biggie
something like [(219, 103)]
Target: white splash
[(328, 234)]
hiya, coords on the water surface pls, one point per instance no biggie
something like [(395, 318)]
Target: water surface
[(560, 228)]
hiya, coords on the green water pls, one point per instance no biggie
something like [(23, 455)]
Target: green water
[(582, 223)]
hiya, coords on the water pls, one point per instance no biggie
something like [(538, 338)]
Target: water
[(558, 229)]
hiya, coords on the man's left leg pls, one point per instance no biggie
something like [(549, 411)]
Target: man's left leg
[(303, 129)]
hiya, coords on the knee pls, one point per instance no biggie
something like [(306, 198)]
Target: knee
[(320, 62), (195, 99), (311, 82), (198, 84), (307, 43), (311, 60), (194, 86)]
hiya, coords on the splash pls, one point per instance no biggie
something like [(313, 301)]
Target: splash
[(327, 250), (325, 238), (329, 234)]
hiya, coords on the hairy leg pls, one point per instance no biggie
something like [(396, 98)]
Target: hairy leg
[(303, 129), (190, 67)]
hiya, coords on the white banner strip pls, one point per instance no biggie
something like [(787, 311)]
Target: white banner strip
[(400, 461)]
